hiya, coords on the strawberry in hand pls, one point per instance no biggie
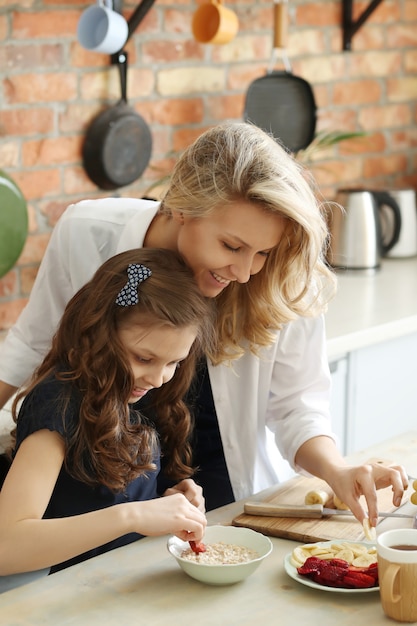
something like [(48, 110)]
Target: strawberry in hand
[(197, 546)]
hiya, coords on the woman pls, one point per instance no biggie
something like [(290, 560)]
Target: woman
[(242, 214), (83, 479)]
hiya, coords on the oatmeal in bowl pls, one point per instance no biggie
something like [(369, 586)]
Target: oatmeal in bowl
[(232, 554)]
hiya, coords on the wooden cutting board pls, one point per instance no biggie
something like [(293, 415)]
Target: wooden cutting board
[(309, 530)]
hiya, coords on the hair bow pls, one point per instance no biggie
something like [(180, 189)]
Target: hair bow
[(136, 274)]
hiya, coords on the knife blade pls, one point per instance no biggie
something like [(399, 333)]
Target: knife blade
[(312, 511)]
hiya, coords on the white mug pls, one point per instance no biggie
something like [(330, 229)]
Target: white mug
[(100, 29)]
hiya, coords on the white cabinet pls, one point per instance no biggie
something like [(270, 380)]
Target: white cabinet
[(381, 392), (374, 393), (338, 399)]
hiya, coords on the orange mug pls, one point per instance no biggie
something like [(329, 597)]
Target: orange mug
[(213, 23)]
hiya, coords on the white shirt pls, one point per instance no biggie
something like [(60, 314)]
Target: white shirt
[(280, 397)]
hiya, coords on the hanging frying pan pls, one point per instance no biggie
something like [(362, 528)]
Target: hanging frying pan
[(118, 143), (280, 102)]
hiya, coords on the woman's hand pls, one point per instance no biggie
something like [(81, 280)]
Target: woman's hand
[(349, 483), (171, 514), (191, 491), (320, 457)]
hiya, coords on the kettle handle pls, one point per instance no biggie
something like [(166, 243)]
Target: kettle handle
[(384, 198)]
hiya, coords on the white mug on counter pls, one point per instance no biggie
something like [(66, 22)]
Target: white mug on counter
[(100, 29), (406, 245), (397, 572)]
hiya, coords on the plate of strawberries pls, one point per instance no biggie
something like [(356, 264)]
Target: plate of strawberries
[(339, 566)]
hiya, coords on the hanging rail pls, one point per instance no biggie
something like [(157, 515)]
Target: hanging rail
[(134, 20), (350, 27)]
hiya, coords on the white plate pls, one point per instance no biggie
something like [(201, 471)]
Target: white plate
[(304, 580)]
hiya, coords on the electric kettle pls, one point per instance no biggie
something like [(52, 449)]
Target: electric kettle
[(356, 241), (406, 245)]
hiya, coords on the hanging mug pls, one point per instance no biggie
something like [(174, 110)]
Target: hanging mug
[(213, 23), (100, 29)]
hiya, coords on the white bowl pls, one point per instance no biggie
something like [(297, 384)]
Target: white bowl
[(223, 574)]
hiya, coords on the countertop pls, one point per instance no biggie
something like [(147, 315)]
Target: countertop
[(369, 309), (142, 584)]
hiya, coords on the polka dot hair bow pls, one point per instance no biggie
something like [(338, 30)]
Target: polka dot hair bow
[(136, 274)]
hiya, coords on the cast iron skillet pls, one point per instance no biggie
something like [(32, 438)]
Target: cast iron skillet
[(280, 102), (118, 143)]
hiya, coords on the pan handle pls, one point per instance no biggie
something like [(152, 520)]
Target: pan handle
[(138, 15), (280, 24), (122, 65), (280, 35)]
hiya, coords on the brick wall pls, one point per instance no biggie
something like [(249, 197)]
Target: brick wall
[(50, 88)]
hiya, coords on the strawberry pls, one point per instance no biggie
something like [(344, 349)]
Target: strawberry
[(339, 562), (330, 576), (197, 546), (311, 565), (358, 580), (371, 570)]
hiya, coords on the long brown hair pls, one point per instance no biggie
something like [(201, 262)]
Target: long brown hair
[(106, 447), (237, 161)]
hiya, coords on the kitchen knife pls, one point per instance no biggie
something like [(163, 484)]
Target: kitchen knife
[(303, 510)]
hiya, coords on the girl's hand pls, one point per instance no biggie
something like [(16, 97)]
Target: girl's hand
[(350, 483), (192, 491), (171, 514)]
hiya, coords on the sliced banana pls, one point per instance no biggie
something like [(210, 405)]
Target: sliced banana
[(355, 554), (326, 556), (364, 560), (300, 554), (339, 504), (316, 497), (346, 555), (370, 531), (357, 549), (320, 551)]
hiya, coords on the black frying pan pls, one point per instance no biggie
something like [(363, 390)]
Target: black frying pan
[(118, 143), (280, 102)]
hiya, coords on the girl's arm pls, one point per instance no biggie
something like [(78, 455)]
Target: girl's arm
[(28, 542)]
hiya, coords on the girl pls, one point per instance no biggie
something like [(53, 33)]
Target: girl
[(84, 475), (242, 214)]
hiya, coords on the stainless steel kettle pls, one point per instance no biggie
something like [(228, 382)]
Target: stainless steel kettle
[(406, 245), (356, 241)]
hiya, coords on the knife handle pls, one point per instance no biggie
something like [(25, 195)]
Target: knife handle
[(284, 510)]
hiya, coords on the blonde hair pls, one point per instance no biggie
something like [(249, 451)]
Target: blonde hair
[(238, 161)]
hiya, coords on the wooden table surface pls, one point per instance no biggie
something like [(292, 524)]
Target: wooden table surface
[(142, 584)]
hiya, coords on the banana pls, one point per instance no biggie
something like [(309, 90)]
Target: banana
[(346, 555), (413, 497), (316, 497), (357, 549), (339, 504), (299, 555), (355, 554), (370, 532), (415, 485), (364, 560)]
